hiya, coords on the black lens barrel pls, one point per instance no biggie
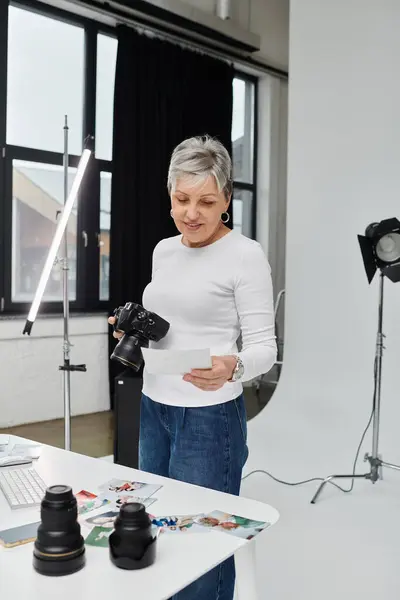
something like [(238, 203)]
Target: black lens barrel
[(59, 548), (128, 352), (133, 542)]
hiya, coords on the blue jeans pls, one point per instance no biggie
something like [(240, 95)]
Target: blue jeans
[(205, 446)]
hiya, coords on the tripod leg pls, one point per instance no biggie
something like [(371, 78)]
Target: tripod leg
[(321, 487), (385, 464), (329, 479)]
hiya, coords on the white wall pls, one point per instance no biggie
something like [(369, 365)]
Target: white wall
[(268, 18), (31, 385), (343, 173), (272, 176)]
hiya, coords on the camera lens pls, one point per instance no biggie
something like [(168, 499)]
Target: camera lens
[(132, 543), (128, 351), (59, 548)]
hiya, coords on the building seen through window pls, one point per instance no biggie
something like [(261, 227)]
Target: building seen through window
[(37, 200)]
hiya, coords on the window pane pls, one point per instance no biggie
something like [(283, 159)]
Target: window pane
[(243, 130), (45, 82), (106, 60), (104, 242), (242, 211), (38, 196)]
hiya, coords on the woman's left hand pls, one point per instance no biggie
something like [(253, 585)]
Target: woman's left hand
[(213, 379)]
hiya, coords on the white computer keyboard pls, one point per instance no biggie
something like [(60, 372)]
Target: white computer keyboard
[(23, 488)]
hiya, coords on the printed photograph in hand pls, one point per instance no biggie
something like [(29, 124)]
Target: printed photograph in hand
[(241, 527)]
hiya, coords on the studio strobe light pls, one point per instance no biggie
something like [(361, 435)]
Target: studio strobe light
[(380, 249)]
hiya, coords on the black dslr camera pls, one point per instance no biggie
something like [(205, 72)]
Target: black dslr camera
[(139, 326)]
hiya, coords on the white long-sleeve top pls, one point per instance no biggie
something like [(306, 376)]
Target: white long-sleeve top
[(211, 296)]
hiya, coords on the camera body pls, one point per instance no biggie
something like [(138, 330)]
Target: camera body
[(139, 326)]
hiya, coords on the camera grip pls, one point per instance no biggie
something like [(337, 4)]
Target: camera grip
[(116, 313)]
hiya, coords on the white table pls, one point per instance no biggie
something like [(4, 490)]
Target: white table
[(180, 559)]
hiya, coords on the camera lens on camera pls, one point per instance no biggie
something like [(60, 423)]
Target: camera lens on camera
[(132, 543), (59, 548), (139, 327), (128, 352)]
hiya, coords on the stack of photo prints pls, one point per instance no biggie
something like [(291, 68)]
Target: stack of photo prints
[(97, 526), (113, 494), (116, 492)]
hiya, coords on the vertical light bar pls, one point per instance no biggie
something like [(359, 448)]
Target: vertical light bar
[(61, 226)]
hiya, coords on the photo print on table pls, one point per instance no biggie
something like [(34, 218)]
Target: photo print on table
[(104, 519), (114, 489), (117, 500), (178, 523), (88, 502), (240, 527), (98, 536)]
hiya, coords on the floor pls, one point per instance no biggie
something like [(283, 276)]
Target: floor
[(93, 435), (90, 434)]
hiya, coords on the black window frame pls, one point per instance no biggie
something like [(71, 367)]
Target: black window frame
[(88, 224), (243, 185)]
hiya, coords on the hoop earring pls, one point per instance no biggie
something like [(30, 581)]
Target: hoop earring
[(225, 217)]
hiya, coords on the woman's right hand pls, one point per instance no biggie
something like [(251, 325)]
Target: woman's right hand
[(117, 334)]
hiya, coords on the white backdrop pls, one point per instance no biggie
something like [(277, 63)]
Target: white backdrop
[(343, 173)]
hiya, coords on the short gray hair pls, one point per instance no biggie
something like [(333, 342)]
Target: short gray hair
[(200, 157)]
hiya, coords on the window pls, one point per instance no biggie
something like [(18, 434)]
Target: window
[(244, 154), (106, 61), (242, 211), (37, 199), (105, 77), (44, 81), (104, 238), (58, 64)]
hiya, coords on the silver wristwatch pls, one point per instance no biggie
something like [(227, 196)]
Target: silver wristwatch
[(239, 370)]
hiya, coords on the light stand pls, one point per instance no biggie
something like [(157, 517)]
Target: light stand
[(60, 233), (66, 367), (380, 249)]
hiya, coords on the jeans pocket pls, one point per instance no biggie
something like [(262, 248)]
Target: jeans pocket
[(241, 415)]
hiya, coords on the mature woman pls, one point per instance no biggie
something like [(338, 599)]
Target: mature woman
[(214, 286)]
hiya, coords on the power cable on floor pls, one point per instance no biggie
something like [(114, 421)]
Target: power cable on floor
[(323, 478)]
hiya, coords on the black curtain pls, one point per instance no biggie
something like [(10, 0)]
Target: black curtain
[(163, 95)]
